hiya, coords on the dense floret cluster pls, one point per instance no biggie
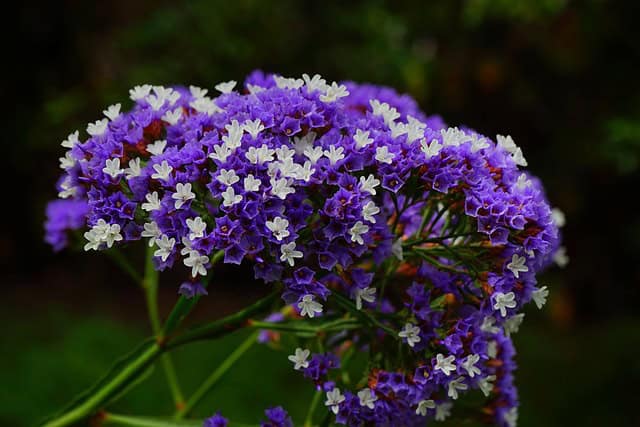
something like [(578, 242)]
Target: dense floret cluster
[(362, 207)]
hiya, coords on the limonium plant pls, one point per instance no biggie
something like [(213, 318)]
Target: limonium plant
[(378, 230)]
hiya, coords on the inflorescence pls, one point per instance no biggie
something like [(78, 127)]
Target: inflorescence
[(363, 208)]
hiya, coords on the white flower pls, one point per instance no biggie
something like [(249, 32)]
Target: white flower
[(67, 162), (152, 203), (163, 170), (112, 168), (415, 129), (365, 294), (309, 307), (253, 128), (197, 263), (504, 301), (198, 92), (362, 138), (228, 177), (134, 168), (183, 194), (369, 211), (383, 155), (443, 411), (522, 182), (205, 105), (469, 365), (155, 102), (367, 398), (540, 296), (284, 153), (172, 117), (251, 183), (369, 184), (389, 114), (299, 358), (225, 87), (560, 257), (334, 92), (165, 246), (445, 364), (280, 188), (67, 189), (557, 216), (411, 333), (220, 153), (253, 89), (197, 227), (288, 253), (139, 92), (454, 137), (102, 232), (112, 112), (71, 140), (230, 198), (432, 149), (486, 385), (334, 398), (233, 138), (279, 227), (356, 232), (260, 155), (334, 154), (398, 129), (511, 417), (313, 154), (306, 171), (507, 143), (157, 147), (454, 386), (98, 127), (518, 158), (152, 231), (512, 324), (301, 144), (517, 265), (478, 143), (315, 83), (288, 83), (112, 234), (396, 249), (423, 406), (488, 325), (187, 246), (492, 349)]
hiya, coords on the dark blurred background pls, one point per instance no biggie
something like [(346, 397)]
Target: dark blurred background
[(561, 77)]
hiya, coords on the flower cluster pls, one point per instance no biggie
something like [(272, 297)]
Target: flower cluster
[(433, 233)]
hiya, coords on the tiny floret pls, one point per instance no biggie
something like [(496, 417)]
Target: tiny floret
[(309, 307), (299, 358)]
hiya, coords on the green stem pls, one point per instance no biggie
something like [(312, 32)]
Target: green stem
[(102, 395), (213, 379), (224, 326), (150, 284), (135, 421), (138, 362), (348, 305), (308, 421), (124, 264), (184, 305)]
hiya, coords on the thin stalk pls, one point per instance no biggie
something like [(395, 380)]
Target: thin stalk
[(308, 421), (124, 264), (213, 379), (150, 284), (110, 418), (138, 364), (93, 402)]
